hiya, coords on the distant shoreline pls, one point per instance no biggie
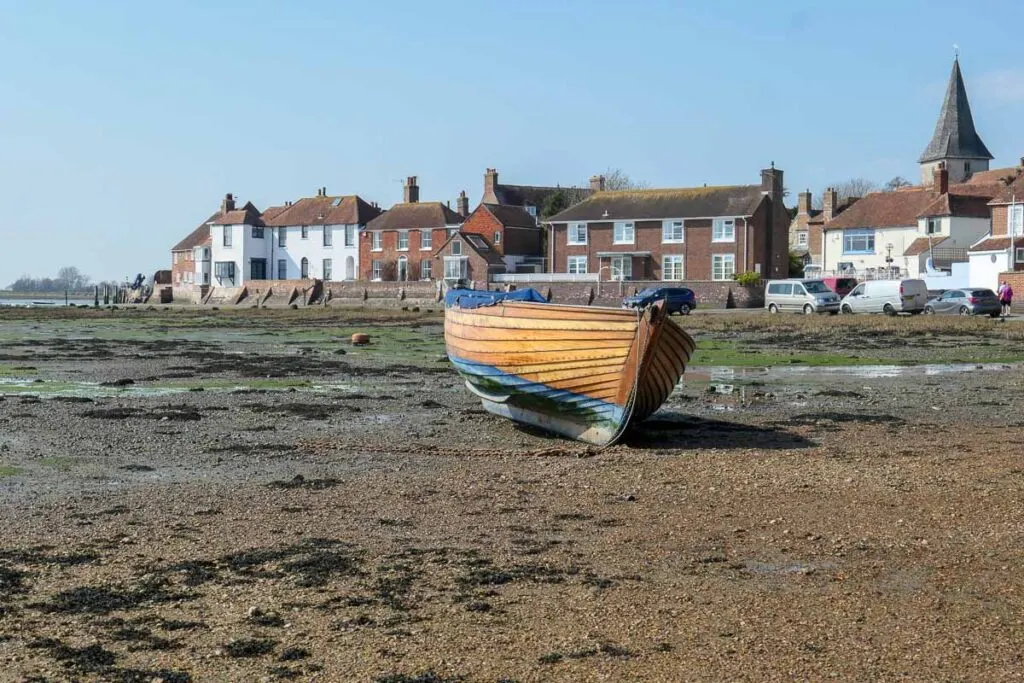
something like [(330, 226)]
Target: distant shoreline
[(8, 294)]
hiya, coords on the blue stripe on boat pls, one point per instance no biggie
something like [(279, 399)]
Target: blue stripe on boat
[(567, 402)]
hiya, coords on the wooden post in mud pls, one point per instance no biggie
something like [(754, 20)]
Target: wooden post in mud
[(96, 297), (65, 298)]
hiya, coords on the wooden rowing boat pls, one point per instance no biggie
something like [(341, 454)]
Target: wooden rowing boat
[(580, 371)]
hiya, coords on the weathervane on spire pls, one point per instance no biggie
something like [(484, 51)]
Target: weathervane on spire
[(956, 51)]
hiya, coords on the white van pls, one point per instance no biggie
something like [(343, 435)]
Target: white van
[(887, 296), (800, 296)]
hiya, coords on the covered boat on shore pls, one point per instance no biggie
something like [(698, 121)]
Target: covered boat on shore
[(580, 371)]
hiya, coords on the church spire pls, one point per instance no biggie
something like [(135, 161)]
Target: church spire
[(955, 136)]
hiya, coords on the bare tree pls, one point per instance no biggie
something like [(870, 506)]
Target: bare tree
[(896, 183), (72, 279), (617, 179), (854, 187)]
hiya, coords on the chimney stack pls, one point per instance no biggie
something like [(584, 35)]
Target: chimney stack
[(771, 183), (490, 183), (804, 203), (829, 204), (412, 190), (462, 204), (940, 178), (597, 183), (228, 203)]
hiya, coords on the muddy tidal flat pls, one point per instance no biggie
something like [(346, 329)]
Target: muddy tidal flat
[(244, 496)]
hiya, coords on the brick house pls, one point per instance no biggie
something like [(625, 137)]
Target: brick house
[(1001, 251), (699, 233), (805, 230), (401, 242), (190, 258), (513, 234), (469, 257), (530, 197)]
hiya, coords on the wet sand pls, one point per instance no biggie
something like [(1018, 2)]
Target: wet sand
[(312, 515)]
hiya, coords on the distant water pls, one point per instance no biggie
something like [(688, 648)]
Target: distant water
[(45, 301)]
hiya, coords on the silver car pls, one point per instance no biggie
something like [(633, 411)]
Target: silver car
[(800, 296)]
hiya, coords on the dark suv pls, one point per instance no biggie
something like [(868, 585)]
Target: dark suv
[(677, 299)]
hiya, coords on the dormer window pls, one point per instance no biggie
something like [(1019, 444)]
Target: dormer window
[(532, 210), (934, 226)]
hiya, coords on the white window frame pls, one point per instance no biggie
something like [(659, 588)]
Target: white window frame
[(497, 237), (328, 237), (576, 265), (1015, 220), (930, 223), (463, 267), (674, 272), (621, 267), (282, 273), (377, 270), (802, 238), (403, 236), (350, 235), (574, 232), (282, 238), (624, 232), (304, 232), (328, 268), (532, 210), (721, 275), (456, 247), (723, 230), (668, 231), (1020, 255), (426, 269), (376, 241), (426, 240), (226, 236)]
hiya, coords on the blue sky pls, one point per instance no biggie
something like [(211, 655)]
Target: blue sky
[(122, 124)]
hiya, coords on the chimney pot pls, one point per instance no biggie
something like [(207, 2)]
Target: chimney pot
[(829, 205), (597, 183), (462, 204), (804, 203), (228, 204)]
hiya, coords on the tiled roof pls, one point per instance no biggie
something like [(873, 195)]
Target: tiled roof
[(921, 245), (512, 216), (534, 195), (951, 204), (695, 202), (478, 243), (1012, 192), (1004, 176), (323, 210), (955, 135), (198, 236), (996, 244), (414, 216), (247, 215), (986, 190)]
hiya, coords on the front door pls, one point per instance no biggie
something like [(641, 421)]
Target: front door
[(403, 269), (258, 269)]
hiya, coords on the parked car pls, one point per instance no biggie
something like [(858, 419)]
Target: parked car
[(966, 302), (887, 296), (805, 296), (840, 285), (679, 300)]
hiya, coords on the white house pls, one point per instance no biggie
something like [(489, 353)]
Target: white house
[(314, 237), (897, 232), (1002, 249)]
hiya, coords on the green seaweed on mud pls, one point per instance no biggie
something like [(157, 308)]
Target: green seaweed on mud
[(9, 471)]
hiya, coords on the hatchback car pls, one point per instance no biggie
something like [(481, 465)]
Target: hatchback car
[(679, 300), (966, 302)]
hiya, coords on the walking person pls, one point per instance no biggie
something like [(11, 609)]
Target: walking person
[(1005, 297)]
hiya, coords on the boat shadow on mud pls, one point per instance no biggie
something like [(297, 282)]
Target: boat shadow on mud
[(677, 430)]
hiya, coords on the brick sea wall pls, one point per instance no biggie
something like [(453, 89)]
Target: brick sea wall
[(710, 294)]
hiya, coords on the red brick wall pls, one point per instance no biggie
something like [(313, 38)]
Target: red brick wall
[(1015, 280), (709, 294), (482, 222), (184, 265), (1000, 216), (389, 253), (477, 266)]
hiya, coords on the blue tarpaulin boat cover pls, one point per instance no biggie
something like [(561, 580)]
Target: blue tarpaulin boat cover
[(475, 298)]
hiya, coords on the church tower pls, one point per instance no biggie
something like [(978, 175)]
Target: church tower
[(955, 142)]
